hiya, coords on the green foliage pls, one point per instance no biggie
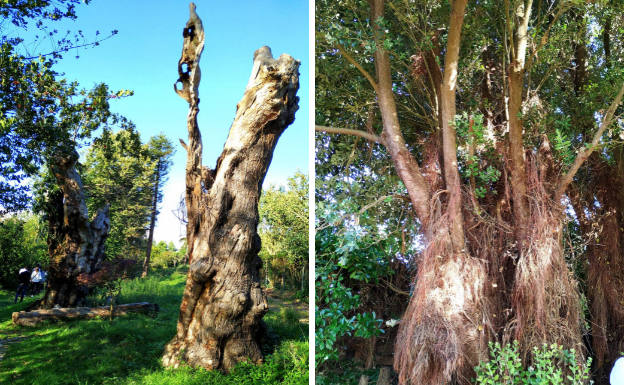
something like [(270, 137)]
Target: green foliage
[(284, 232), (122, 172), (349, 373), (165, 254), (127, 350), (22, 244), (562, 144), (477, 165), (341, 260), (40, 113), (550, 365)]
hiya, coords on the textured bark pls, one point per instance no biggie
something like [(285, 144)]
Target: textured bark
[(220, 315), (33, 318), (150, 238), (75, 244)]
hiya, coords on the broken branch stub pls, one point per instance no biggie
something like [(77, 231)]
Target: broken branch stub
[(188, 65)]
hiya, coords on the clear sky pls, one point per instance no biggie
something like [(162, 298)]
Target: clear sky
[(143, 57)]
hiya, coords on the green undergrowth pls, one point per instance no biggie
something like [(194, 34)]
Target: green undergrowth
[(127, 350), (345, 372)]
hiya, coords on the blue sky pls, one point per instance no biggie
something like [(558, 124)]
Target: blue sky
[(143, 57)]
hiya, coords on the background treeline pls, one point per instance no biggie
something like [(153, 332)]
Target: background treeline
[(119, 170), (284, 232)]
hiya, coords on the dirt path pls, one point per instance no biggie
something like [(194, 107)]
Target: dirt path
[(280, 299)]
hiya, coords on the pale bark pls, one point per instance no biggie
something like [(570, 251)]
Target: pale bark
[(449, 140), (349, 131), (585, 152), (223, 304)]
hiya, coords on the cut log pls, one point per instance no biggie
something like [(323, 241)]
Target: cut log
[(32, 318)]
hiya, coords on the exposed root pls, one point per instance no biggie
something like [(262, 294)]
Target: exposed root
[(444, 331)]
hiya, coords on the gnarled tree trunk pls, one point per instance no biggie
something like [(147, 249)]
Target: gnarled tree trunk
[(75, 244), (220, 316)]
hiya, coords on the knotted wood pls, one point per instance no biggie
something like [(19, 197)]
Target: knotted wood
[(75, 244), (222, 307)]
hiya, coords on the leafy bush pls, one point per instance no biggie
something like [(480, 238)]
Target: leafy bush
[(552, 365), (22, 244)]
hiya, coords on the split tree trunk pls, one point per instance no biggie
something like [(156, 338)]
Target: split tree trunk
[(223, 304), (75, 244)]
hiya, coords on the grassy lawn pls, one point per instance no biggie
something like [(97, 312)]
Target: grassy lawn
[(127, 350)]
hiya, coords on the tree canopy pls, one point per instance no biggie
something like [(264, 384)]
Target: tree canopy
[(471, 129)]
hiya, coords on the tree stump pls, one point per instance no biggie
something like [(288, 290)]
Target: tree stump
[(223, 304)]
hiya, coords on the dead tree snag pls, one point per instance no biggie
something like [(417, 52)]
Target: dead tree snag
[(222, 307), (75, 244)]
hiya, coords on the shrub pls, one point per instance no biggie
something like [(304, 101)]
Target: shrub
[(551, 365)]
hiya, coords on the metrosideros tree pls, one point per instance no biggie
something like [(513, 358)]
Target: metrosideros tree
[(493, 266), (220, 316)]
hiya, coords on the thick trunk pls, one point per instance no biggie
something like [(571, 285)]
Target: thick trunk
[(150, 238), (75, 244), (220, 316)]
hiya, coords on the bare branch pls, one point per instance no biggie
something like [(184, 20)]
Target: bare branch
[(349, 131), (357, 65), (66, 49), (585, 152)]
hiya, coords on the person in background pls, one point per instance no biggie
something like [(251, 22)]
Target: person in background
[(44, 278), (37, 280), (23, 279)]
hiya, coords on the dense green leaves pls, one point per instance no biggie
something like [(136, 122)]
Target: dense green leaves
[(552, 365), (121, 171), (284, 232), (40, 113), (166, 254), (22, 244)]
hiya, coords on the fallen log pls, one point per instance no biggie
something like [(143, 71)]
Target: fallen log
[(32, 318)]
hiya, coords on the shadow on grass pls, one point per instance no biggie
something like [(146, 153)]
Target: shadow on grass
[(127, 350)]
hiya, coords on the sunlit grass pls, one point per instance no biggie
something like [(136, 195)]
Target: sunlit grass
[(127, 350)]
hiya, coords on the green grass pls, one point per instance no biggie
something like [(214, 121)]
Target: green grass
[(127, 350)]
